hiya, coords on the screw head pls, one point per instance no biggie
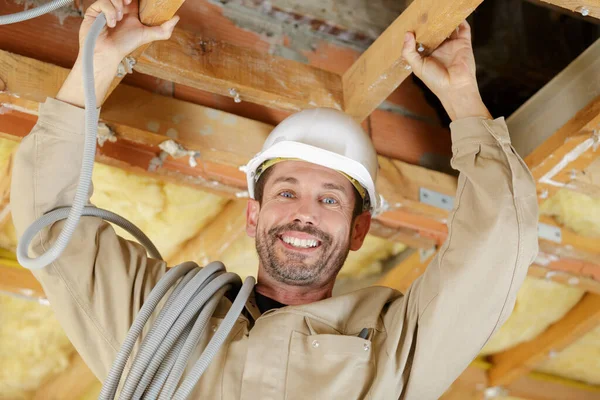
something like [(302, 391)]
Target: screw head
[(315, 343)]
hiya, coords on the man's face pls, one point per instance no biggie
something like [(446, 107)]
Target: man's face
[(304, 227)]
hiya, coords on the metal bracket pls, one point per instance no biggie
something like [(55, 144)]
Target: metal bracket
[(425, 254), (549, 232), (436, 199)]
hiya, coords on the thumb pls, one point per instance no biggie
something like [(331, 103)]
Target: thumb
[(160, 32), (410, 54)]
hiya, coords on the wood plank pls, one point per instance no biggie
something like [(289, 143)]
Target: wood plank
[(18, 280), (380, 69), (533, 386), (71, 384), (519, 360), (590, 9), (565, 277), (548, 110), (192, 60), (210, 244), (537, 386)]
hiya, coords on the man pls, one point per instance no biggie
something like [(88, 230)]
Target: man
[(313, 189)]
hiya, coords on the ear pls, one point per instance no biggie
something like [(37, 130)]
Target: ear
[(361, 227), (252, 211)]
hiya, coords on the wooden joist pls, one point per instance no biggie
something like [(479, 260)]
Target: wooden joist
[(71, 384), (380, 69), (585, 8), (533, 386), (218, 67), (557, 130), (511, 364)]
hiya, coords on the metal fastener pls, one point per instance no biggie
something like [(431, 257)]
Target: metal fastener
[(584, 11), (366, 347), (421, 48), (315, 343), (214, 328), (236, 96)]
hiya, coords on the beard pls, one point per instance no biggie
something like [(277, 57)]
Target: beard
[(299, 269)]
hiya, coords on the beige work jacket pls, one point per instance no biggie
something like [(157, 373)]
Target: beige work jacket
[(419, 342)]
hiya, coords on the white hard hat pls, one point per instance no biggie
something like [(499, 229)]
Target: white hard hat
[(322, 136)]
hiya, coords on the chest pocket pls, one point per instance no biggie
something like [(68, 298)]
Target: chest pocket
[(329, 366)]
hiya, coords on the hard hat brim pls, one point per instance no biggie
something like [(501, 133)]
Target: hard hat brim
[(314, 155)]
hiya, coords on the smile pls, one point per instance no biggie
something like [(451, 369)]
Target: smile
[(298, 243)]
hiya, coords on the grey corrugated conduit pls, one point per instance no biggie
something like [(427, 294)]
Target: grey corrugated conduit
[(158, 366)]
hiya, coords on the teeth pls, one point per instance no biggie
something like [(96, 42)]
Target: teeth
[(302, 243)]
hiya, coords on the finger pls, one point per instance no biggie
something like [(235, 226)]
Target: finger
[(160, 32), (118, 4), (410, 53), (464, 30), (105, 7)]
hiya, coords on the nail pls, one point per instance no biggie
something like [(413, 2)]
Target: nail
[(406, 37), (119, 15)]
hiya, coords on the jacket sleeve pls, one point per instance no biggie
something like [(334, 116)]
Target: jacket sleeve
[(470, 287), (101, 280)]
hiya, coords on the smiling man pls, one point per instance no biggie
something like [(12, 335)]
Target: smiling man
[(313, 194)]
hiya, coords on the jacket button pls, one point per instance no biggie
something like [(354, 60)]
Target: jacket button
[(315, 344), (366, 346)]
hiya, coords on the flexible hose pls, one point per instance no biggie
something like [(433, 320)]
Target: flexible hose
[(164, 354), (34, 12)]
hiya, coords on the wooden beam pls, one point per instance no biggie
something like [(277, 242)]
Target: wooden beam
[(590, 9), (210, 244), (71, 384), (556, 130), (218, 67), (533, 386), (380, 69), (566, 278), (18, 280), (519, 360)]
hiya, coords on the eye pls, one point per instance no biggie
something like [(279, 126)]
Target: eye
[(329, 200), (286, 194)]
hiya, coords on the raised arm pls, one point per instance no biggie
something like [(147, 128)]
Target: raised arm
[(470, 287), (101, 280)]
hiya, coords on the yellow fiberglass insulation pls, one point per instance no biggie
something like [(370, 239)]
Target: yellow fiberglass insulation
[(6, 148), (539, 304), (579, 361), (169, 214), (33, 347), (242, 259), (576, 211)]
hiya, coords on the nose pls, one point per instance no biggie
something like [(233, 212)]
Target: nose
[(306, 212)]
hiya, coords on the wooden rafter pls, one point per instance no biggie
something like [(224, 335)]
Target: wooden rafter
[(71, 384), (532, 386), (558, 129), (380, 69), (585, 8), (225, 69), (511, 364)]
